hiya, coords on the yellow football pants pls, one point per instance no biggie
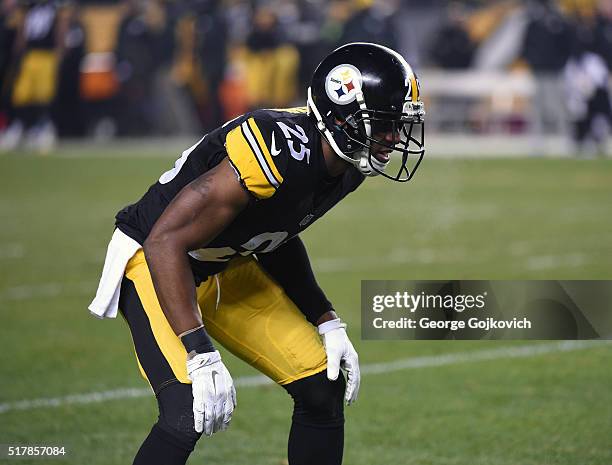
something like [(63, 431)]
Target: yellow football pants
[(242, 308), (36, 81)]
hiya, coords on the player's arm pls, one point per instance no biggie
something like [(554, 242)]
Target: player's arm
[(199, 212), (290, 266)]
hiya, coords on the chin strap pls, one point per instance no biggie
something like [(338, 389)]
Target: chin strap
[(369, 166), (363, 162)]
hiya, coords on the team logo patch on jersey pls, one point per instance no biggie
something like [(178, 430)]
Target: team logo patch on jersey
[(342, 84)]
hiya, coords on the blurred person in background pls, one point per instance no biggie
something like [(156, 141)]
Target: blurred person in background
[(9, 22), (176, 111), (137, 53), (211, 38), (303, 18), (67, 111), (336, 15), (370, 22), (185, 74), (451, 46), (98, 82), (38, 50), (604, 30), (546, 49), (587, 77), (198, 65), (271, 62)]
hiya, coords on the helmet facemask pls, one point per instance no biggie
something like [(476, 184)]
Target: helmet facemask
[(398, 137), (358, 137)]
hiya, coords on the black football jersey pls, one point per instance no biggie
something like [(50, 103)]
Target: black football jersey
[(40, 23), (278, 158)]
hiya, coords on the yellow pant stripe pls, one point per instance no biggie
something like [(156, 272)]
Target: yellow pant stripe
[(255, 320), (141, 369), (168, 342)]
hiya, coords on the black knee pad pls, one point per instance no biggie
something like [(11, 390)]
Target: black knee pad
[(176, 414), (318, 401)]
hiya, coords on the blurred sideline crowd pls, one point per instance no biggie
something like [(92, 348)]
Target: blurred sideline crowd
[(106, 69)]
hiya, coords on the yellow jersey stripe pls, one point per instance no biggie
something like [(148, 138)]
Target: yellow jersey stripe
[(296, 110), (259, 155), (265, 151), (247, 159)]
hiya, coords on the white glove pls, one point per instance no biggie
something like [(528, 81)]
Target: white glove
[(340, 352), (214, 395)]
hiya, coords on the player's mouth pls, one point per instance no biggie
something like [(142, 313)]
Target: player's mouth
[(383, 156)]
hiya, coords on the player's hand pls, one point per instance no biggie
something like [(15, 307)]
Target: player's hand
[(214, 395), (341, 353)]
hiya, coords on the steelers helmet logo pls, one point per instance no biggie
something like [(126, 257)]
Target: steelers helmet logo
[(342, 84)]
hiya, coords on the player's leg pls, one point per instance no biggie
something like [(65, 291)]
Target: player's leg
[(21, 102), (256, 321), (44, 90), (161, 358), (317, 426)]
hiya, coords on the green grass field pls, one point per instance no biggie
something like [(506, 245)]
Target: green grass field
[(459, 219)]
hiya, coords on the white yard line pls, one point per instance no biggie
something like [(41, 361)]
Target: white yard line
[(11, 251), (549, 262), (371, 369), (47, 290)]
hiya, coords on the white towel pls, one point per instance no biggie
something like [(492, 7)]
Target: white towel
[(120, 249)]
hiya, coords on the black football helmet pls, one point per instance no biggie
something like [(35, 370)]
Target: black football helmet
[(367, 104)]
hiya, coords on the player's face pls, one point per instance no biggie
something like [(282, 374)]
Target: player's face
[(382, 150)]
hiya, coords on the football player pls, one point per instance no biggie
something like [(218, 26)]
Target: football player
[(38, 48), (212, 251)]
